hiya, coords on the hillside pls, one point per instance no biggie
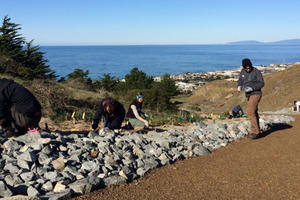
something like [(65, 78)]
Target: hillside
[(280, 91), (253, 42)]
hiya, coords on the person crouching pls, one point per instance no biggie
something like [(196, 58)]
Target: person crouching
[(20, 111), (113, 113), (134, 113)]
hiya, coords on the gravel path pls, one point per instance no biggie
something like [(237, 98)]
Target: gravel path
[(268, 168)]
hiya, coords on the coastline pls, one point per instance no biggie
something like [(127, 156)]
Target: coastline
[(190, 81)]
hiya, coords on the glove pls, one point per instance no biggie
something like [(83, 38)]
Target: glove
[(146, 123), (95, 124), (248, 89), (239, 88)]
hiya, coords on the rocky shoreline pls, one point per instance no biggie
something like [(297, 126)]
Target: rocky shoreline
[(190, 81), (58, 166)]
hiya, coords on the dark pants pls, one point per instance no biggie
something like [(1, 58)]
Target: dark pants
[(113, 123), (19, 122), (252, 110)]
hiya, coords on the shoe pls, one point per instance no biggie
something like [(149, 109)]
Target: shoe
[(35, 130)]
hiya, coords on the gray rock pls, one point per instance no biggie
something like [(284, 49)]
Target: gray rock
[(32, 192), (46, 150), (23, 164), (12, 145), (11, 168), (27, 156), (4, 191), (12, 180), (67, 194), (27, 176), (150, 163), (89, 166), (114, 180), (141, 171), (200, 150), (51, 175), (44, 159), (29, 139), (83, 186), (47, 186)]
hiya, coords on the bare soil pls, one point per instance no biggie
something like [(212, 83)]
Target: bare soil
[(267, 168)]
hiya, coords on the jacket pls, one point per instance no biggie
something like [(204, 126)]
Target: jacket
[(118, 113), (254, 79), (13, 94)]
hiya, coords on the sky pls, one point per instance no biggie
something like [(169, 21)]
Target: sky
[(138, 22)]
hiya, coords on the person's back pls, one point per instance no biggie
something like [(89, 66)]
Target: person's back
[(20, 97), (19, 109), (237, 111)]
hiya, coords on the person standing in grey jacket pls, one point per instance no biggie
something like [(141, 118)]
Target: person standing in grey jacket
[(251, 80)]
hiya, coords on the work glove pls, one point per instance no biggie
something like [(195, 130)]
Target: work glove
[(239, 88), (95, 124), (146, 123), (248, 89)]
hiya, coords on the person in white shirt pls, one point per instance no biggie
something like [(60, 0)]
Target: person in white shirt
[(135, 113)]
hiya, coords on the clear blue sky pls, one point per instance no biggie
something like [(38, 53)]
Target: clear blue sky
[(79, 22)]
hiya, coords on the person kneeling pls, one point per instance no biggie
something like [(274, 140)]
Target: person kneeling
[(113, 112), (135, 111), (20, 111)]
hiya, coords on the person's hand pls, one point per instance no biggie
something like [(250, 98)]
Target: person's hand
[(94, 125), (239, 88), (248, 89), (146, 123)]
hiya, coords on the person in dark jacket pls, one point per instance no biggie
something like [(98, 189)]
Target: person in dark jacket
[(134, 113), (252, 81), (113, 112), (237, 111), (20, 111)]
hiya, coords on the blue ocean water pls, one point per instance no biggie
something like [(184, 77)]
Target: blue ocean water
[(157, 60)]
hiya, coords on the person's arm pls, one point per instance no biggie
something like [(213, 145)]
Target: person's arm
[(97, 117), (3, 105), (136, 114), (259, 83), (240, 81)]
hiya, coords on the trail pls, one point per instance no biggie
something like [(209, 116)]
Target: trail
[(267, 168)]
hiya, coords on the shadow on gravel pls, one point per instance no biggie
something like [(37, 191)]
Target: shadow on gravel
[(82, 133), (275, 127)]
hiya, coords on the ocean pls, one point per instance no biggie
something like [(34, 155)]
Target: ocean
[(157, 60)]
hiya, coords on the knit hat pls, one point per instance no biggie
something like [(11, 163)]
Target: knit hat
[(246, 62)]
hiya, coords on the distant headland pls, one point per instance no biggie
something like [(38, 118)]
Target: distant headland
[(255, 42)]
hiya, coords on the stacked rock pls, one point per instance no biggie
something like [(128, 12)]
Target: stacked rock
[(58, 166)]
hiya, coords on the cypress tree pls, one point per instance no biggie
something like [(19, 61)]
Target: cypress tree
[(25, 62)]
